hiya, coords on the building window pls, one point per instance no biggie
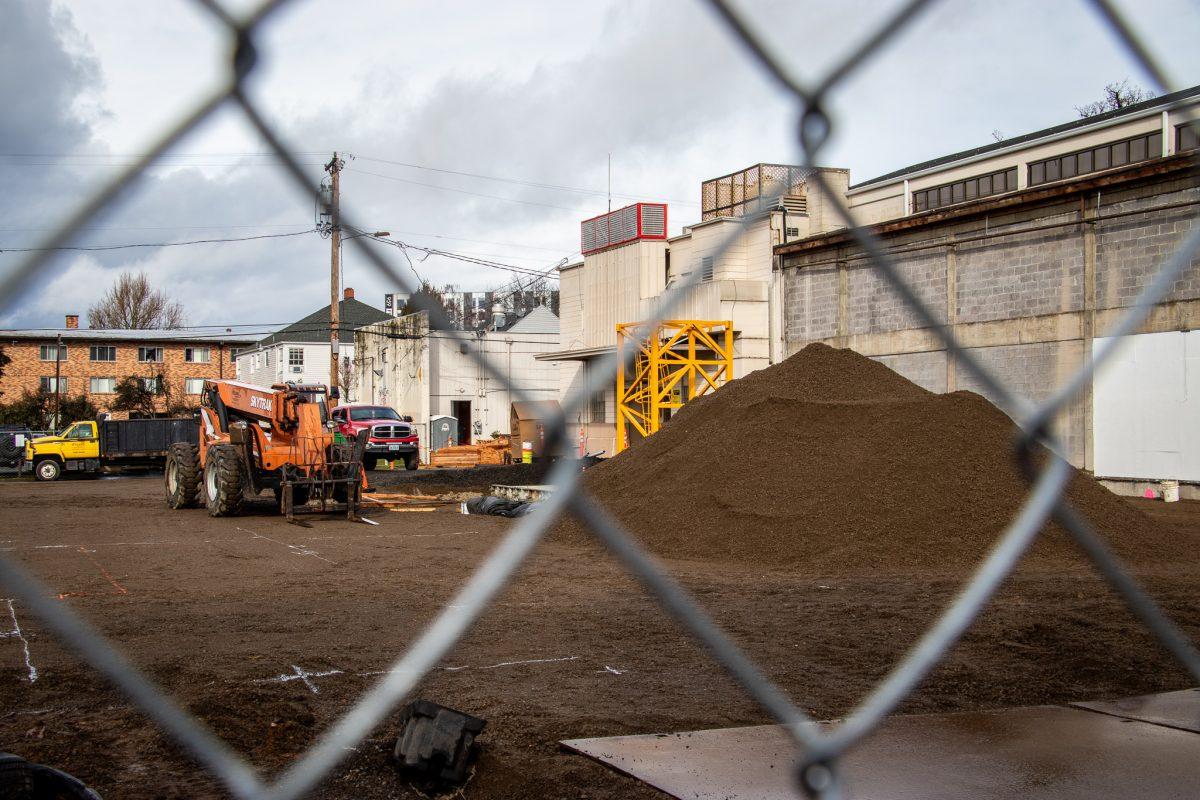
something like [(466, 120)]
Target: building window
[(964, 190), (103, 352), (1094, 159), (598, 407), (296, 357), (50, 352), (197, 355), (48, 384), (233, 354), (706, 268), (151, 385), (193, 385), (1187, 136), (103, 385), (150, 355)]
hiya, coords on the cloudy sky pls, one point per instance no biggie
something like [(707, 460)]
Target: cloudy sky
[(534, 92)]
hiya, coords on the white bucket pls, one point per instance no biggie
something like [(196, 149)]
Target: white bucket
[(1170, 491)]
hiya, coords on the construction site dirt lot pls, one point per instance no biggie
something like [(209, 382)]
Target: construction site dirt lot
[(267, 632)]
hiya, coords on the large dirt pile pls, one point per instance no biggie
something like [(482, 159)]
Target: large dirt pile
[(832, 462)]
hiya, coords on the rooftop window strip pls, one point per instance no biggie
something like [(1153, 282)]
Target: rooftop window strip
[(972, 188), (1132, 150)]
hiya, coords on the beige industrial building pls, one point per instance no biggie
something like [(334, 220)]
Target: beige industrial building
[(629, 261), (1030, 249)]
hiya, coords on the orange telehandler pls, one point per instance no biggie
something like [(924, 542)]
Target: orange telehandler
[(253, 438)]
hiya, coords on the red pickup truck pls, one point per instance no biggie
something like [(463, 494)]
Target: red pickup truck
[(392, 436)]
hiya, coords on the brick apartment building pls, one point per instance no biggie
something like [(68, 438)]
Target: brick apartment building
[(94, 361)]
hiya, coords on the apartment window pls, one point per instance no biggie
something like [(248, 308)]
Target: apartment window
[(103, 352), (50, 352), (295, 356), (48, 384), (193, 385), (1187, 136), (103, 385), (964, 190), (197, 355), (706, 268), (1094, 159), (150, 385), (150, 355)]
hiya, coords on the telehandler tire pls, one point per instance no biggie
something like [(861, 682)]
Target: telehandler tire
[(181, 476), (224, 481)]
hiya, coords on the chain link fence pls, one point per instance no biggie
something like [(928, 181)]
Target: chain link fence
[(819, 749)]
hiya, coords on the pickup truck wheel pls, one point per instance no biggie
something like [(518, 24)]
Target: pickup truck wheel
[(182, 476), (370, 462), (224, 480), (411, 461), (47, 469)]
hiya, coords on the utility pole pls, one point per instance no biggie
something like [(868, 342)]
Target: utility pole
[(57, 379), (334, 168)]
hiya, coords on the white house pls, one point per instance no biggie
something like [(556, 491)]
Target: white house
[(300, 352), (424, 373)]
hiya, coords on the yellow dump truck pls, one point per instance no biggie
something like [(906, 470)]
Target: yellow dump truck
[(111, 443)]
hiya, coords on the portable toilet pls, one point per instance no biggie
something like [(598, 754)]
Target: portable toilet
[(443, 432)]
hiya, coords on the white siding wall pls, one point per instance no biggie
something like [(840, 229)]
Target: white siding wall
[(1146, 408), (272, 364), (423, 372)]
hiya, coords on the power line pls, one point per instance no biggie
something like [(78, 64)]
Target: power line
[(158, 244), (459, 191), (519, 181)]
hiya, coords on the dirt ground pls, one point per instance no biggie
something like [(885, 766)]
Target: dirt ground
[(224, 612)]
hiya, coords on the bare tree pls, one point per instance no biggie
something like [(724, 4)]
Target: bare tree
[(347, 376), (133, 303), (1116, 95)]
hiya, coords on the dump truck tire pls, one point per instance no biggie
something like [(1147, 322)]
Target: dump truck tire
[(47, 469), (181, 476), (224, 480)]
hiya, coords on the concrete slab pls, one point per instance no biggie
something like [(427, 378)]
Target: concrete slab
[(525, 494), (1175, 709), (1034, 753)]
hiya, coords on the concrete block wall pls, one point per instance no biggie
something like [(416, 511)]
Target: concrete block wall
[(874, 306), (1025, 286), (1025, 275), (1130, 249)]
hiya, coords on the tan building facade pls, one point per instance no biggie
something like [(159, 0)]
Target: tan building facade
[(761, 206), (92, 362)]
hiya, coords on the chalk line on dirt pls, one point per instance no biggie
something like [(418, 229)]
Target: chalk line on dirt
[(299, 674), (16, 631), (299, 550)]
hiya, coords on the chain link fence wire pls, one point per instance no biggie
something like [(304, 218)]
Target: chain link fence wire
[(819, 750)]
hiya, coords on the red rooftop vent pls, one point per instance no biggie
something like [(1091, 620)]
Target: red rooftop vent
[(638, 221)]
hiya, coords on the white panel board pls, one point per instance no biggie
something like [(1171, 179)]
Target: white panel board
[(1146, 408)]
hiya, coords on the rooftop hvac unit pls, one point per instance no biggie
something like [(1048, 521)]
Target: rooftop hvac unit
[(638, 221)]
